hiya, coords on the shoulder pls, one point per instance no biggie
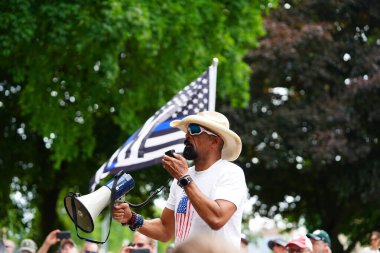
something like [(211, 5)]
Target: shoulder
[(230, 167)]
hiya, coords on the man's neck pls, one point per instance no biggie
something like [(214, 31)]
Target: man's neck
[(206, 162)]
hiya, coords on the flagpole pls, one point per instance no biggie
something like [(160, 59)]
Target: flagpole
[(213, 73)]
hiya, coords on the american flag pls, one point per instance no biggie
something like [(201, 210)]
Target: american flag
[(183, 217), (148, 144)]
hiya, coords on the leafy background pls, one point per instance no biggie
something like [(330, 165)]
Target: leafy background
[(299, 81)]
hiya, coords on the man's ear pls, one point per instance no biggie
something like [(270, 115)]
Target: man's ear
[(218, 141)]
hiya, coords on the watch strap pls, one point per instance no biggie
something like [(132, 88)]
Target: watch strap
[(184, 181)]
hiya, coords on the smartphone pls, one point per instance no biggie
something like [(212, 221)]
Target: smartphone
[(170, 153), (139, 251), (63, 235)]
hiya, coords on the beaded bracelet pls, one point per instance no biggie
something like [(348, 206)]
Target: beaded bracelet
[(131, 220), (138, 223), (135, 222)]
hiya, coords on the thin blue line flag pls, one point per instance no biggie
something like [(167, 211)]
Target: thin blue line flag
[(149, 143)]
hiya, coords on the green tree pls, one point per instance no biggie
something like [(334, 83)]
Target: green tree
[(311, 135), (78, 77)]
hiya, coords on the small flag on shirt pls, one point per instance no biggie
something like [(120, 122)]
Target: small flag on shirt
[(183, 219), (148, 144)]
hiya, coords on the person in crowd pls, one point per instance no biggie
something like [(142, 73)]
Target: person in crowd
[(205, 244), (66, 245), (28, 246), (300, 244), (50, 240), (244, 243), (277, 245), (374, 243), (10, 246), (90, 247), (2, 247), (206, 198), (320, 240), (140, 241), (170, 248)]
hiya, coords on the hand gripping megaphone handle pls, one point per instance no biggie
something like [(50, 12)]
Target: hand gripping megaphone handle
[(74, 195)]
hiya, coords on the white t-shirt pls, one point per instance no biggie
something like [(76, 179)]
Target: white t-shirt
[(223, 180), (370, 250)]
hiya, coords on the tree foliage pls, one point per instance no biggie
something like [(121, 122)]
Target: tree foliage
[(78, 77), (311, 135)]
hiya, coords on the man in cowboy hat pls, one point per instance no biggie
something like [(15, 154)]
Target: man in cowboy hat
[(206, 198)]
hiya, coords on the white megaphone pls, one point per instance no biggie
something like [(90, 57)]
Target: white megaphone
[(87, 207)]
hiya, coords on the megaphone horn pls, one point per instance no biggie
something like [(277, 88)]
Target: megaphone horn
[(88, 207)]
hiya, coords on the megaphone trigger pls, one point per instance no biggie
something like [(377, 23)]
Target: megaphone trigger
[(120, 200)]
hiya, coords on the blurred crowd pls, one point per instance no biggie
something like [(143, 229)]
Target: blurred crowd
[(316, 242)]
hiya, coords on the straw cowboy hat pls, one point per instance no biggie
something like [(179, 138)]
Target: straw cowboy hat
[(218, 124)]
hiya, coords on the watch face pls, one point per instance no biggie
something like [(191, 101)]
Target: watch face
[(184, 181)]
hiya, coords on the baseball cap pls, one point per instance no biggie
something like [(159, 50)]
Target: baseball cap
[(320, 235), (277, 241), (303, 242), (28, 245)]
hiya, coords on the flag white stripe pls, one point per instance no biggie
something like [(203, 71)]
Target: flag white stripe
[(158, 140), (148, 156)]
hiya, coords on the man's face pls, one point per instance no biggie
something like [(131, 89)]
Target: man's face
[(319, 246), (91, 247), (374, 241), (68, 248), (10, 246), (296, 249), (197, 141), (278, 248), (140, 241)]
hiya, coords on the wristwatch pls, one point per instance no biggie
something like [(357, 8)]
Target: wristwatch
[(184, 181)]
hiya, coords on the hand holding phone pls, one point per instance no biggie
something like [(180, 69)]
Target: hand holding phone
[(63, 235)]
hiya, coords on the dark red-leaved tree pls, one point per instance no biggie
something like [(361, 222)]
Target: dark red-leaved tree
[(311, 131)]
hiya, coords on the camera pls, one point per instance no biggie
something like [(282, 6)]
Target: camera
[(139, 251), (63, 235)]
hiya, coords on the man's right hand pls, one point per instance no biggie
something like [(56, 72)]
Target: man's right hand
[(122, 213)]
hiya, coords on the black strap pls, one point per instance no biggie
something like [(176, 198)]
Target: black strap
[(157, 191)]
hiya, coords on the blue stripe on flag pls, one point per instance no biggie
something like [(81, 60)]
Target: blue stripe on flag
[(165, 125)]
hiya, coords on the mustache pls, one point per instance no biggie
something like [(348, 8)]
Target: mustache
[(187, 142)]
